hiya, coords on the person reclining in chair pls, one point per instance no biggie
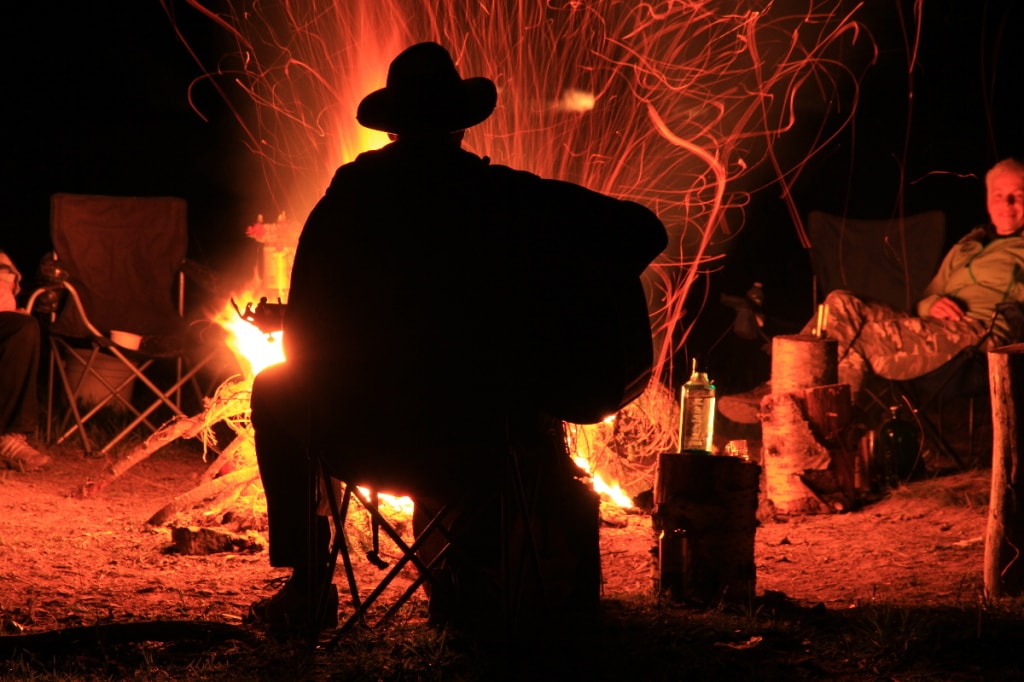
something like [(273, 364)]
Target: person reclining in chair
[(409, 319), (984, 269)]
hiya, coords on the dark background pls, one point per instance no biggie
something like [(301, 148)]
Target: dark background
[(922, 138), (97, 101)]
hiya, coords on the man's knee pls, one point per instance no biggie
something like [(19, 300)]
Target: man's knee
[(841, 299), (272, 396)]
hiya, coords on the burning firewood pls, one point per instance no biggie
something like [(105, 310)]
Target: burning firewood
[(202, 493), (229, 405)]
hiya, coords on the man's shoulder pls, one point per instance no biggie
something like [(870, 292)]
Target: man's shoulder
[(506, 177), (350, 175), (365, 160)]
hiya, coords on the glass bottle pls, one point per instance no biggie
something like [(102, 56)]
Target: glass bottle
[(697, 412), (897, 448), (672, 563)]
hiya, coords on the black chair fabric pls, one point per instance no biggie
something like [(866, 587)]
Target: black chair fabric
[(889, 260), (122, 261), (123, 255)]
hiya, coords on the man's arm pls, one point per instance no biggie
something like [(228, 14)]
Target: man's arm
[(946, 308), (934, 301)]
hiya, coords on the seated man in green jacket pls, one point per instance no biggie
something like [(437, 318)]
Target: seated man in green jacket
[(982, 271)]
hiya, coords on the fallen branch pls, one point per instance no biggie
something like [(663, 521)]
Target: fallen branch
[(93, 637), (202, 492), (168, 433), (229, 457), (230, 405)]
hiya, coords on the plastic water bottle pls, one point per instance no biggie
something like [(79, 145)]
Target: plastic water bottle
[(697, 412)]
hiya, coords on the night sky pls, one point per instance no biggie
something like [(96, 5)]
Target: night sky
[(97, 103)]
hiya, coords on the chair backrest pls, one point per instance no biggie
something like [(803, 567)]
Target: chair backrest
[(890, 260), (123, 255)]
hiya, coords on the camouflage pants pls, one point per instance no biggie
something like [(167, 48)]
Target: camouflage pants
[(875, 338)]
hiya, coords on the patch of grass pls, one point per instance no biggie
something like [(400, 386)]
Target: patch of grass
[(969, 489), (636, 639)]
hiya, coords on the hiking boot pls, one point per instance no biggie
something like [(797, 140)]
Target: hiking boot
[(743, 408), (16, 453), (289, 611)]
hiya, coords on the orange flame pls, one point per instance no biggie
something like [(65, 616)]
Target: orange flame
[(611, 490), (254, 349)]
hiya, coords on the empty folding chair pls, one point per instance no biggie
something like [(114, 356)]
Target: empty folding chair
[(122, 317)]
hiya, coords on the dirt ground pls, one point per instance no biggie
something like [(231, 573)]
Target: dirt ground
[(67, 561)]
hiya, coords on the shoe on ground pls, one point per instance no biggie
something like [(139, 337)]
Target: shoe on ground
[(743, 408), (17, 454), (289, 611)]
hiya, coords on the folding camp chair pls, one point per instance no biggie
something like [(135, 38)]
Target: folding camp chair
[(122, 321), (339, 498), (515, 506), (892, 261), (889, 260), (964, 378)]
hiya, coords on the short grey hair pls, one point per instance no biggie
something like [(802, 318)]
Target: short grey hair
[(1008, 166)]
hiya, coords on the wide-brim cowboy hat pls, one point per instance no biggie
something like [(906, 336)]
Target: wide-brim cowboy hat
[(424, 92)]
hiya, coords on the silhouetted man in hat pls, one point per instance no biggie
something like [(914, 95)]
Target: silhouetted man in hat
[(424, 325)]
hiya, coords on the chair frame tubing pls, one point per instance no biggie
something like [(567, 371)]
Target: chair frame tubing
[(340, 546), (136, 365)]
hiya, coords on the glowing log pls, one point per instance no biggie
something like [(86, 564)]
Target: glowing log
[(200, 495)]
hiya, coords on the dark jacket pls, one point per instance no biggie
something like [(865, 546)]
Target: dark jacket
[(420, 285)]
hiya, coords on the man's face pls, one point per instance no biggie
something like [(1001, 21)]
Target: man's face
[(1006, 202)]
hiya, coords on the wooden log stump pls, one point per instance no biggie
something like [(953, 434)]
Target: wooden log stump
[(1004, 539), (705, 516), (809, 465), (802, 361)]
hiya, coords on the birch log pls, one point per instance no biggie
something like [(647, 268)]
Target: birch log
[(802, 361), (808, 468)]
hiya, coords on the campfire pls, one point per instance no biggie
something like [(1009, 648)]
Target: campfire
[(688, 124), (617, 454), (561, 93)]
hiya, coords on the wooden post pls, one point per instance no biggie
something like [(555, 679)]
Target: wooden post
[(1004, 540), (705, 516)]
